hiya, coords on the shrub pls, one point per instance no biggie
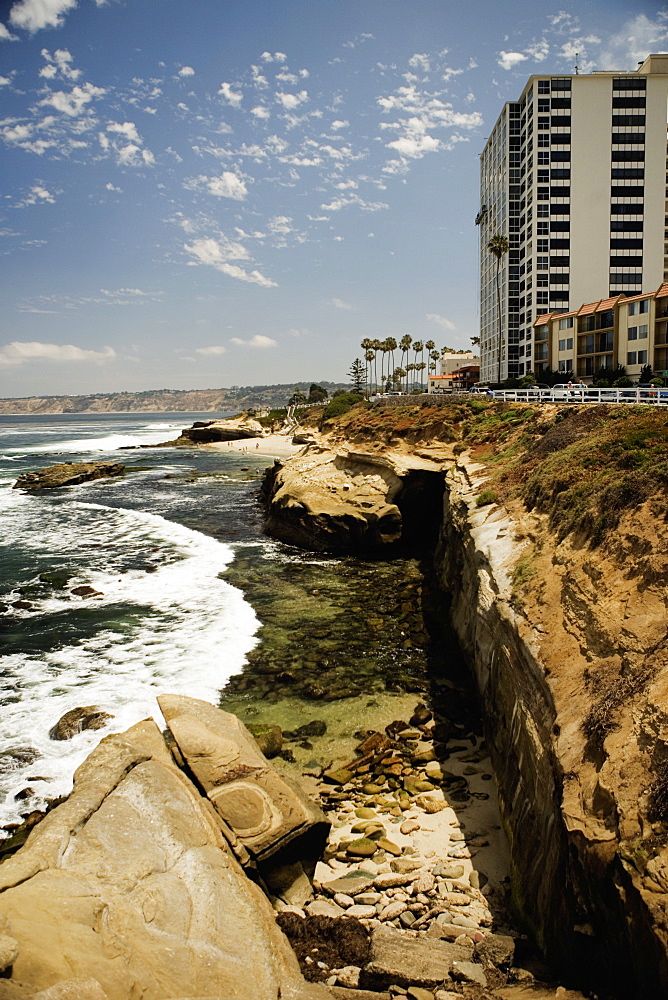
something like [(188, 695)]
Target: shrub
[(341, 404), (486, 497)]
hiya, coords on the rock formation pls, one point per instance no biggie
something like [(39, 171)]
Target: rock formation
[(208, 431), (568, 646), (132, 882), (67, 474)]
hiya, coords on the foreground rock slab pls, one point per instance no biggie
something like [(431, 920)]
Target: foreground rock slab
[(210, 431), (131, 881), (269, 813), (67, 474)]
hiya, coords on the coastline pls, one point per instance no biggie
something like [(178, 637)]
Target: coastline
[(272, 446)]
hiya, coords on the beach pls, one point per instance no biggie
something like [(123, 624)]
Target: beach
[(272, 446)]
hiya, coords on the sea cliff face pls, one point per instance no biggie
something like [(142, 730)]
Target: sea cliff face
[(568, 646)]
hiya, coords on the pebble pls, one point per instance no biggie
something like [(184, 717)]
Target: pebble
[(360, 911), (342, 900), (362, 848), (418, 993), (407, 918), (324, 908), (461, 921), (388, 845), (349, 977), (368, 898), (388, 880), (409, 826), (404, 865), (392, 911), (364, 813), (425, 883)]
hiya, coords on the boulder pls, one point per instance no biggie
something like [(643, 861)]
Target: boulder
[(131, 879), (402, 961), (271, 815), (209, 431), (78, 719), (9, 951), (67, 474)]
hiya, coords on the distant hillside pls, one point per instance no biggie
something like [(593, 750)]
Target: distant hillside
[(164, 400)]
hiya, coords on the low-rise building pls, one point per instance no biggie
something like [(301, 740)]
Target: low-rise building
[(450, 360), (465, 377), (440, 383), (621, 330)]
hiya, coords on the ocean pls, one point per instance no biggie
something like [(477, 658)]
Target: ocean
[(153, 545)]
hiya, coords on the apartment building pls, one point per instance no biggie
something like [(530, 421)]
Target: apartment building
[(619, 330), (574, 175)]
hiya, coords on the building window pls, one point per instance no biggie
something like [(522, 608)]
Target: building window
[(566, 365), (566, 344), (543, 86), (541, 263), (543, 140), (543, 123), (542, 211), (642, 357), (638, 307), (542, 298), (544, 105), (566, 324), (632, 358), (542, 246)]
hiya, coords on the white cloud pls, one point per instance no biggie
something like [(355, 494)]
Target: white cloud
[(73, 104), (281, 224), (420, 61), (276, 57), (539, 51), (6, 36), (186, 71), (218, 254), (353, 199), (338, 124), (111, 187), (226, 185), (32, 15), (132, 156), (38, 196), (127, 129), (58, 64), (257, 341), (339, 304), (508, 60), (260, 111), (19, 352), (634, 42), (213, 350), (441, 320), (233, 97), (4, 81), (291, 101)]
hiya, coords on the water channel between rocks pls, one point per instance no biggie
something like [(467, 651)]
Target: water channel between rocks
[(348, 646)]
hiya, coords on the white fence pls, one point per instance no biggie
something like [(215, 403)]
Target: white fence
[(581, 394)]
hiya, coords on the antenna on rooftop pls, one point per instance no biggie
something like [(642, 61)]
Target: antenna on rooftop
[(577, 68)]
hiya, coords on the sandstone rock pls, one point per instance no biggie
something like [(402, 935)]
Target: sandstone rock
[(398, 959), (268, 737), (418, 993), (362, 848), (78, 719), (349, 976), (345, 993), (469, 972), (404, 865), (497, 949), (324, 908), (132, 878), (233, 429), (67, 474), (351, 884), (12, 990), (73, 989), (9, 951), (270, 814)]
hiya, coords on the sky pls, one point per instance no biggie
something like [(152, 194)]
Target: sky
[(237, 192)]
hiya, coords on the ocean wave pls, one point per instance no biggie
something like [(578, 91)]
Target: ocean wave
[(173, 626)]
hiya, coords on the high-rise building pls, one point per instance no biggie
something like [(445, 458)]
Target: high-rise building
[(574, 174)]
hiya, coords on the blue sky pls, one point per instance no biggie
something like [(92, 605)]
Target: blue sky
[(238, 191)]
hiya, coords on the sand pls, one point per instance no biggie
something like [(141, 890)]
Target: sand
[(272, 446)]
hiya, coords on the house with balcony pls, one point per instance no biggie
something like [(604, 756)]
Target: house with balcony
[(620, 330)]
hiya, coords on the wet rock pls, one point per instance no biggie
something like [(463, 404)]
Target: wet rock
[(362, 848), (339, 777), (77, 720), (268, 737), (85, 591), (55, 578), (14, 758), (315, 728), (67, 474)]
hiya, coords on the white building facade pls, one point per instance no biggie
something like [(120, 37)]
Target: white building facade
[(574, 174)]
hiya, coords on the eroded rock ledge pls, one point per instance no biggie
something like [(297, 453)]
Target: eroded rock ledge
[(569, 648), (67, 474)]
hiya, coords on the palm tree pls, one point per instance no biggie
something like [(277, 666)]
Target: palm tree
[(408, 368), (421, 367), (405, 346), (391, 346), (418, 348), (397, 377), (375, 346), (498, 246), (368, 357), (434, 358)]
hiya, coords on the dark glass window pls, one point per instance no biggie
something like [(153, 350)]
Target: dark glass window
[(628, 154), (617, 191), (628, 173), (626, 227), (629, 83), (560, 192), (628, 102), (560, 155), (561, 84), (561, 102), (561, 121), (561, 226), (543, 86), (561, 138), (617, 244), (560, 244), (622, 138), (560, 261), (628, 120), (627, 209), (543, 105), (560, 174), (625, 261)]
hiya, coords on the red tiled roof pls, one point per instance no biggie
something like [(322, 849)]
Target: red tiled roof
[(662, 291), (542, 320), (588, 308), (608, 303), (640, 295)]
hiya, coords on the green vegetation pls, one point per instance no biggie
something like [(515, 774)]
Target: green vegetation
[(340, 405), (486, 497)]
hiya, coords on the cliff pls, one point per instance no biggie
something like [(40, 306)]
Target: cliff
[(552, 551)]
